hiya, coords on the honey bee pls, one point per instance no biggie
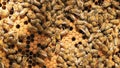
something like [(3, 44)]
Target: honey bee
[(60, 59), (116, 41), (83, 15), (47, 32), (111, 11), (118, 12), (115, 21), (117, 65), (42, 1), (47, 24), (75, 11), (35, 8), (110, 17), (67, 8), (39, 60), (97, 41), (24, 61), (59, 22), (32, 29), (20, 7), (31, 14), (9, 22), (94, 51), (108, 26), (116, 49), (43, 9), (100, 19), (57, 48), (14, 65), (11, 56), (94, 23), (53, 2), (88, 25), (9, 51), (103, 26), (109, 31), (110, 52), (16, 7), (40, 16), (1, 64), (49, 5), (49, 51), (60, 16), (95, 45), (62, 54), (53, 41), (29, 1), (26, 4), (70, 63), (70, 57), (9, 6), (60, 65), (104, 48), (115, 4), (88, 3), (103, 39), (87, 32), (60, 2), (39, 27), (64, 32), (91, 37), (79, 22), (95, 29), (96, 7), (20, 45), (57, 7), (116, 58), (98, 35), (34, 21), (109, 63), (36, 2), (73, 18), (70, 2), (92, 19), (24, 11), (22, 36), (4, 13), (48, 15), (43, 53), (106, 4), (100, 65), (14, 16), (47, 42), (18, 58), (80, 4), (57, 36)]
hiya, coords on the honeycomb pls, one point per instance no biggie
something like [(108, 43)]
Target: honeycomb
[(59, 34)]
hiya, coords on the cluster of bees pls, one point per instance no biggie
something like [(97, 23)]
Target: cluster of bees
[(32, 32), (23, 44)]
